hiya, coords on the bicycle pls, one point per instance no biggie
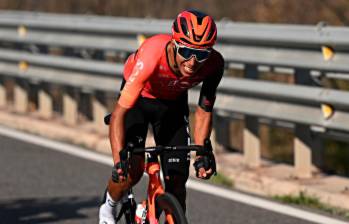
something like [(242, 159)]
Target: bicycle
[(160, 206)]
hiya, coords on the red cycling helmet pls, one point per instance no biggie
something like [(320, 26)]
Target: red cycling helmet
[(194, 29)]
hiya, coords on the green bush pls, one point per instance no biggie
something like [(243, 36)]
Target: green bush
[(222, 180), (312, 202)]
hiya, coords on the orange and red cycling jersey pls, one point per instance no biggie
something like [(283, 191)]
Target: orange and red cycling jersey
[(148, 74)]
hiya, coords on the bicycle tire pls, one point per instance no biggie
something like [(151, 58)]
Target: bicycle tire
[(126, 219), (127, 216), (169, 204)]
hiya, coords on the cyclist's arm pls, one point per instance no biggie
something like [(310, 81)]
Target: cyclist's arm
[(117, 131), (203, 125), (203, 114), (202, 130), (139, 74)]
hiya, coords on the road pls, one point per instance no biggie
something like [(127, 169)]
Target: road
[(40, 185)]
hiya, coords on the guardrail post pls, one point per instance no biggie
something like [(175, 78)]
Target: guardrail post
[(70, 106), (252, 145), (303, 138), (3, 94), (99, 110), (21, 100), (302, 151), (85, 104), (251, 140), (45, 102)]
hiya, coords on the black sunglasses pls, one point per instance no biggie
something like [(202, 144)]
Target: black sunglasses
[(200, 55)]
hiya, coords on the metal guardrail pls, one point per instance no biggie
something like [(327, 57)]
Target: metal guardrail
[(290, 35), (284, 102), (65, 63), (251, 45), (73, 79), (292, 103), (270, 45), (68, 40)]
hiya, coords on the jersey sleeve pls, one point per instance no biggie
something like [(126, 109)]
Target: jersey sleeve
[(141, 68), (209, 88)]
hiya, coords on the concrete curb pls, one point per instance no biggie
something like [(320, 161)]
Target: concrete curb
[(268, 180), (278, 179)]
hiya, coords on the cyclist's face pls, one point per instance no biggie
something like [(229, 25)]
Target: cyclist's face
[(188, 67)]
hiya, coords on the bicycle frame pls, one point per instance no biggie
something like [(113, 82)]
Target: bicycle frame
[(152, 168), (155, 189)]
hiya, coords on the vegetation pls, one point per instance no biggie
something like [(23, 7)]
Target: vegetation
[(312, 202), (222, 180), (337, 157)]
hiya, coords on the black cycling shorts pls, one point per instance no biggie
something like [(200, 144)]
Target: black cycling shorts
[(170, 125)]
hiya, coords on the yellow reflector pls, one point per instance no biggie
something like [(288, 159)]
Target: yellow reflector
[(23, 65), (22, 31), (327, 110), (327, 52), (141, 38)]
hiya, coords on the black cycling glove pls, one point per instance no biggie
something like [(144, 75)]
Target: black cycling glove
[(118, 176), (206, 160), (120, 169)]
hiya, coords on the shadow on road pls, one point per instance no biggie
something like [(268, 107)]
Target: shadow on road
[(46, 210)]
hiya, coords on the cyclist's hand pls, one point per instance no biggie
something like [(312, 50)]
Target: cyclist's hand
[(119, 172), (205, 164)]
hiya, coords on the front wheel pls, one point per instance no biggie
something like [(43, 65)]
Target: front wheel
[(169, 210)]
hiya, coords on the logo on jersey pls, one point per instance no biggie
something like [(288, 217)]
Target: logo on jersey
[(208, 103), (162, 68), (139, 65), (136, 70), (182, 84), (174, 160), (164, 75)]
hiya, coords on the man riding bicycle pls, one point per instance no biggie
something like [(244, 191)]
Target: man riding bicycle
[(154, 91)]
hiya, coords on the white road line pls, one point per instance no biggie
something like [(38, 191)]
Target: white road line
[(58, 146), (195, 185)]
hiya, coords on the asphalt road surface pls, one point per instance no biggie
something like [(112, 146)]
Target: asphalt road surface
[(40, 185)]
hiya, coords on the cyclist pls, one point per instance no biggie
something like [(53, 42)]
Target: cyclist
[(154, 91)]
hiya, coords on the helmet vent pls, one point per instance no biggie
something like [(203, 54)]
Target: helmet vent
[(200, 20), (210, 34), (199, 37), (197, 13), (184, 26), (175, 26), (185, 41)]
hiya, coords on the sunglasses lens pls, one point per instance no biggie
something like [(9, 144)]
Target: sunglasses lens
[(202, 55), (187, 53)]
